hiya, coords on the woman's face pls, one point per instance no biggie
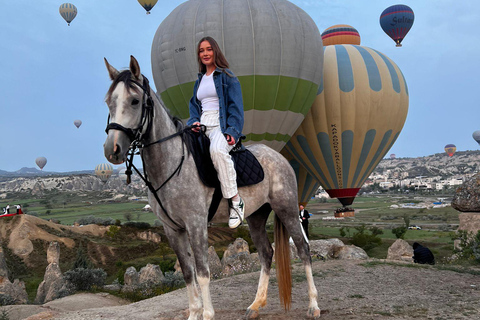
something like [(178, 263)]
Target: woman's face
[(206, 53)]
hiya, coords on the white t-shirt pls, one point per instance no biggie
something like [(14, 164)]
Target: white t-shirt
[(207, 94)]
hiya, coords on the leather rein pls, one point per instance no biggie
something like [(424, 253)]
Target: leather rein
[(138, 144)]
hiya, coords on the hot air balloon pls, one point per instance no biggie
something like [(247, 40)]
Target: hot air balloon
[(307, 185), (68, 11), (396, 21), (393, 156), (273, 47), (476, 136), (357, 115), (148, 4), (104, 171), (340, 34), (77, 123), (450, 149), (41, 162)]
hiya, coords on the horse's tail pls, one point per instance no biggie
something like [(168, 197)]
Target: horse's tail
[(282, 262)]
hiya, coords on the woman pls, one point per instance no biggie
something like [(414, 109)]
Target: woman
[(217, 103)]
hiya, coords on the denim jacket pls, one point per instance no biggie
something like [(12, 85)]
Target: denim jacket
[(230, 103)]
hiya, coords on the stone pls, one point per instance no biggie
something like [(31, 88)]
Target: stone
[(149, 236), (469, 221), (53, 286), (131, 279), (350, 253), (237, 259), (238, 246), (13, 293), (53, 253), (322, 249), (467, 196), (150, 275), (400, 250)]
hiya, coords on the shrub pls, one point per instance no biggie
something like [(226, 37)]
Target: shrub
[(85, 279), (112, 231), (364, 240), (82, 260), (6, 300), (469, 244), (399, 232), (4, 315), (138, 225)]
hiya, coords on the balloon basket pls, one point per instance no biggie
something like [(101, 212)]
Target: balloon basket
[(398, 45), (344, 212)]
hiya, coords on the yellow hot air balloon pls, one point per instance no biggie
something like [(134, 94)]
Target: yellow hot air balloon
[(307, 185), (357, 115), (104, 171), (148, 4), (273, 47), (340, 34), (68, 11), (450, 149)]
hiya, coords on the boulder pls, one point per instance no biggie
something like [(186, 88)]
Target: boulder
[(400, 250), (322, 249), (237, 259), (131, 279), (149, 236), (467, 196), (150, 275), (53, 286), (349, 253)]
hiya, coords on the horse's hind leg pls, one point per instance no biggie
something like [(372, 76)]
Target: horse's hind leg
[(257, 222), (180, 244), (294, 228)]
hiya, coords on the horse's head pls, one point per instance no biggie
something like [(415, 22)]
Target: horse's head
[(130, 110)]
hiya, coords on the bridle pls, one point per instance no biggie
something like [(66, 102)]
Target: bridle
[(138, 144)]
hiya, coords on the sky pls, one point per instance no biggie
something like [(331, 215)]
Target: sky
[(53, 74)]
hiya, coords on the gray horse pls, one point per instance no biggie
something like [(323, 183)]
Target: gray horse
[(181, 201)]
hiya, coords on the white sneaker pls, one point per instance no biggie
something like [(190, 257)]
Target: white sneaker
[(237, 212)]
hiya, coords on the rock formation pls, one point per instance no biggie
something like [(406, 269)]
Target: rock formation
[(237, 259), (400, 250), (148, 277), (467, 196), (10, 293), (54, 285)]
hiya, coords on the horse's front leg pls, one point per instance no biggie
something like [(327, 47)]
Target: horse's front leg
[(257, 222), (179, 242), (198, 233)]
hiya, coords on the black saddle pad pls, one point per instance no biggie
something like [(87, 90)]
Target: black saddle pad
[(249, 171)]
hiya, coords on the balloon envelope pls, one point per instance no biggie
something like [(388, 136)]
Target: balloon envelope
[(357, 115), (104, 171), (393, 156), (340, 34), (272, 46), (147, 4), (450, 149), (41, 162), (307, 185), (476, 136), (396, 21), (77, 123), (68, 11)]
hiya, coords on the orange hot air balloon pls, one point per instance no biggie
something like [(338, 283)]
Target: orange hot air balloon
[(340, 34), (450, 149)]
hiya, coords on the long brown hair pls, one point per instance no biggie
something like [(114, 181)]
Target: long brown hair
[(218, 57)]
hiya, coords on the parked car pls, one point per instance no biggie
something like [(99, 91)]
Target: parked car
[(415, 227)]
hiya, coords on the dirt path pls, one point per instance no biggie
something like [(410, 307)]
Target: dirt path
[(347, 289)]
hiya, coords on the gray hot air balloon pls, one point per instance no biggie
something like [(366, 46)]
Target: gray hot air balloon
[(41, 162), (77, 123), (476, 136), (272, 46)]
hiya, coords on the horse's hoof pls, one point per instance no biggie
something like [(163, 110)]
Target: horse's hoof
[(251, 314), (313, 313)]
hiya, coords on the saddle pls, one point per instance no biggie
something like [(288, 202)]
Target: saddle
[(248, 169)]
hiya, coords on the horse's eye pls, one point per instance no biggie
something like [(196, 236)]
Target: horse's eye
[(135, 101)]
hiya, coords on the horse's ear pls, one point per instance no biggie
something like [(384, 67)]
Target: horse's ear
[(113, 73), (135, 68)]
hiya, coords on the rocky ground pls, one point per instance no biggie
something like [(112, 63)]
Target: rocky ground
[(347, 289)]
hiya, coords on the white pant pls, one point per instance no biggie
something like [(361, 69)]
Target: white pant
[(219, 151)]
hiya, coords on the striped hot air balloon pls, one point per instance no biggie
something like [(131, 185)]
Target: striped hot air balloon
[(450, 149), (104, 171), (357, 115), (396, 21), (148, 4), (340, 34), (272, 46), (68, 11), (307, 185)]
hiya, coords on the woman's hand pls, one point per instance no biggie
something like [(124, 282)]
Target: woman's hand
[(230, 139), (196, 129)]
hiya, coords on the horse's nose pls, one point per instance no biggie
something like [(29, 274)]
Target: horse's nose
[(116, 150)]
